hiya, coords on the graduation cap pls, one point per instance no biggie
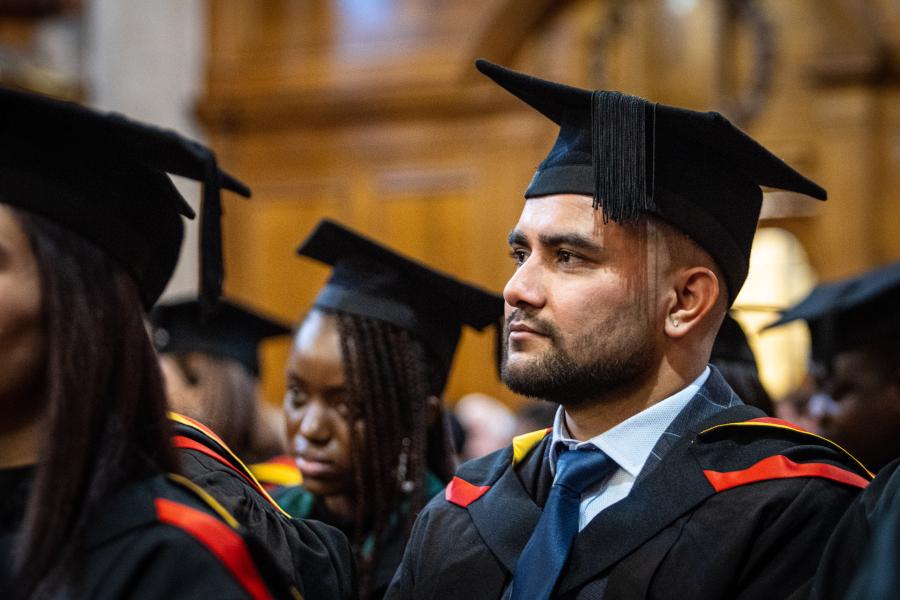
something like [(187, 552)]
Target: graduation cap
[(731, 344), (230, 331), (370, 280), (694, 170), (849, 313), (104, 177)]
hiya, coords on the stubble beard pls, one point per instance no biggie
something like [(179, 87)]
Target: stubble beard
[(577, 371)]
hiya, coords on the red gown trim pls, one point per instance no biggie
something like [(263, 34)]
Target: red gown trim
[(781, 467), (462, 493), (223, 541)]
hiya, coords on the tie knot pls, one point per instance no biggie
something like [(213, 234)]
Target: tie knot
[(581, 468)]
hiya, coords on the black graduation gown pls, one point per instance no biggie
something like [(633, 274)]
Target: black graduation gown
[(390, 548), (734, 508), (301, 503), (862, 558), (316, 557), (153, 540)]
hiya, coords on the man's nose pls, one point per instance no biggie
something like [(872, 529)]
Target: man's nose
[(526, 286)]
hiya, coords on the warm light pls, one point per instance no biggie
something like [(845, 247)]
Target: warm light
[(780, 275), (681, 7)]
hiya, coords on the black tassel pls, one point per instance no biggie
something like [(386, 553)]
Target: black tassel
[(620, 158), (211, 264)]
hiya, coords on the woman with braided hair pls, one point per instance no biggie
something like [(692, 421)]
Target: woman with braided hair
[(365, 376)]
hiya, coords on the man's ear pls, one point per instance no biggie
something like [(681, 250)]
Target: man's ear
[(696, 295)]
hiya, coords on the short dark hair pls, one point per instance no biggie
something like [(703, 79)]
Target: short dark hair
[(103, 396), (685, 251)]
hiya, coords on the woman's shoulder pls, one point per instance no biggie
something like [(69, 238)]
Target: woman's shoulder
[(163, 537)]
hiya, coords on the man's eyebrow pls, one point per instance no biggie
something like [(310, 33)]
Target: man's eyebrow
[(517, 238), (574, 240)]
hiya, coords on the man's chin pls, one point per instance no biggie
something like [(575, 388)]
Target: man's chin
[(519, 372), (517, 363)]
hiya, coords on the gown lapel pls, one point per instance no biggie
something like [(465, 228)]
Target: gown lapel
[(662, 497), (506, 516)]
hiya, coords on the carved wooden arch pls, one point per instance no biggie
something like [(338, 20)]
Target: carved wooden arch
[(869, 58), (518, 18), (509, 26)]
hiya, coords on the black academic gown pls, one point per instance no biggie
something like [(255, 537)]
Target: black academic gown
[(302, 504), (152, 540), (862, 558), (316, 557), (718, 511)]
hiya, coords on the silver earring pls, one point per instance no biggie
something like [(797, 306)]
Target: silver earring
[(674, 321), (407, 485)]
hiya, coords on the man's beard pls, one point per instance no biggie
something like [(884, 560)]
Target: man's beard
[(593, 363)]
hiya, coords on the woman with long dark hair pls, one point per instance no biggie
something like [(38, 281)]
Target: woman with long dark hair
[(90, 230), (368, 366)]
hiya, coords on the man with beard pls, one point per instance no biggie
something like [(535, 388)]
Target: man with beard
[(655, 480)]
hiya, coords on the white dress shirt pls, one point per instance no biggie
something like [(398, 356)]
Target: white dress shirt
[(629, 444)]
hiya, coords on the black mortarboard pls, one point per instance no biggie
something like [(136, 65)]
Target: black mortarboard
[(850, 313), (694, 170), (229, 331), (731, 344), (373, 281), (104, 177)]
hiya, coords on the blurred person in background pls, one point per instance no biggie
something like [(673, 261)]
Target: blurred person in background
[(532, 416), (855, 332), (364, 413), (733, 357), (211, 368), (211, 365), (488, 423), (93, 504), (796, 406)]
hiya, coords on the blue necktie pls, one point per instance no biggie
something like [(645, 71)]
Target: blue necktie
[(544, 556)]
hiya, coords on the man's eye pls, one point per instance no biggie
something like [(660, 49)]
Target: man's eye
[(518, 256), (565, 256)]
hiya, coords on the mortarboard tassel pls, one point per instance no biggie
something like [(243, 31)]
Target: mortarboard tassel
[(619, 154), (211, 264)]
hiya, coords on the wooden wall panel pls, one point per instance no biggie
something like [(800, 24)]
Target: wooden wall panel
[(435, 192)]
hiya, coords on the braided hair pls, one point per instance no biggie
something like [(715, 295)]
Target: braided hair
[(390, 377)]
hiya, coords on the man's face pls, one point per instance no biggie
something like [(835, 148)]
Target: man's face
[(581, 315), (865, 418)]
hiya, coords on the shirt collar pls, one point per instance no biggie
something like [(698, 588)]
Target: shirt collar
[(630, 442)]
